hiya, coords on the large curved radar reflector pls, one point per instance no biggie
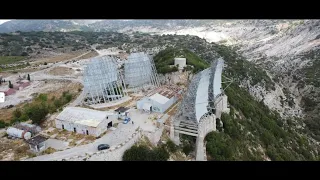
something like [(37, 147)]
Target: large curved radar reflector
[(139, 70), (202, 92), (217, 80), (102, 81)]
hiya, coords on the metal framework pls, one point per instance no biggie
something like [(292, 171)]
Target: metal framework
[(203, 91), (103, 81), (140, 71)]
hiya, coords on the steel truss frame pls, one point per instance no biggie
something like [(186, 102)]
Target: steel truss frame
[(103, 81)]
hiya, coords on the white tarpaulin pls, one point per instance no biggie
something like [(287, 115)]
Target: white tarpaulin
[(146, 106)]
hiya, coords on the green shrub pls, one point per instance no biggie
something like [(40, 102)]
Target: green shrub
[(68, 97), (220, 146), (165, 58), (187, 149), (3, 124), (171, 146), (143, 153), (38, 113), (17, 113), (43, 97)]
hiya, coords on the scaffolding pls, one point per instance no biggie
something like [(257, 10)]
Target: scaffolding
[(103, 81), (140, 71)]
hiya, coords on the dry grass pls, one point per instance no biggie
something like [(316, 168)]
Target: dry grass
[(89, 55), (6, 114), (173, 109), (90, 138), (49, 150), (72, 143), (16, 147), (68, 86), (56, 71), (50, 133), (124, 104), (59, 58), (144, 141)]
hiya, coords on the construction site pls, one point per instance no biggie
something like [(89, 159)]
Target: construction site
[(120, 98)]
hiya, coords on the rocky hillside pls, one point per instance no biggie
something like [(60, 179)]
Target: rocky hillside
[(289, 52), (250, 114), (99, 25)]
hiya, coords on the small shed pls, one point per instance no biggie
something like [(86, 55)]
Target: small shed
[(122, 112), (37, 143)]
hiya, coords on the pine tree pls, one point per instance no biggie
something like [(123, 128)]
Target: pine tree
[(28, 77), (10, 85)]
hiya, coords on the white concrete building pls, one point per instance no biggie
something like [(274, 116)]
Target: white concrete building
[(85, 121), (2, 97), (160, 99), (181, 62)]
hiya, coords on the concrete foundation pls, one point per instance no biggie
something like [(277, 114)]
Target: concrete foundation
[(207, 124)]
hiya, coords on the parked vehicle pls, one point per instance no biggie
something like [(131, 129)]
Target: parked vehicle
[(103, 147), (126, 120)]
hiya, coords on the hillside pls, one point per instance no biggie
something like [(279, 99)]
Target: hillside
[(253, 132), (165, 58), (98, 25), (288, 50), (253, 114)]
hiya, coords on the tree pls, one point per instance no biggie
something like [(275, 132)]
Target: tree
[(143, 153), (28, 77), (24, 54), (38, 113), (10, 85), (17, 113)]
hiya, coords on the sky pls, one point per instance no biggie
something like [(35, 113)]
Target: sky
[(3, 20)]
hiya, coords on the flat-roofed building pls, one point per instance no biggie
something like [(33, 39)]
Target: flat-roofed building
[(160, 99), (85, 121)]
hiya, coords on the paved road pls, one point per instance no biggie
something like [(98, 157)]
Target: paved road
[(78, 100), (112, 138)]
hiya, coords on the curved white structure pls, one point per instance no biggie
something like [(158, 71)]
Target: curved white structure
[(202, 93), (18, 133), (181, 62), (102, 81)]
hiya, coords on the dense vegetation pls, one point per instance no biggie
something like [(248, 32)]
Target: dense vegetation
[(144, 153), (250, 125), (39, 109), (160, 153), (33, 43), (165, 58), (310, 75)]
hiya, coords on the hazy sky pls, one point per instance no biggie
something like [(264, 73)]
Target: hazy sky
[(3, 20)]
